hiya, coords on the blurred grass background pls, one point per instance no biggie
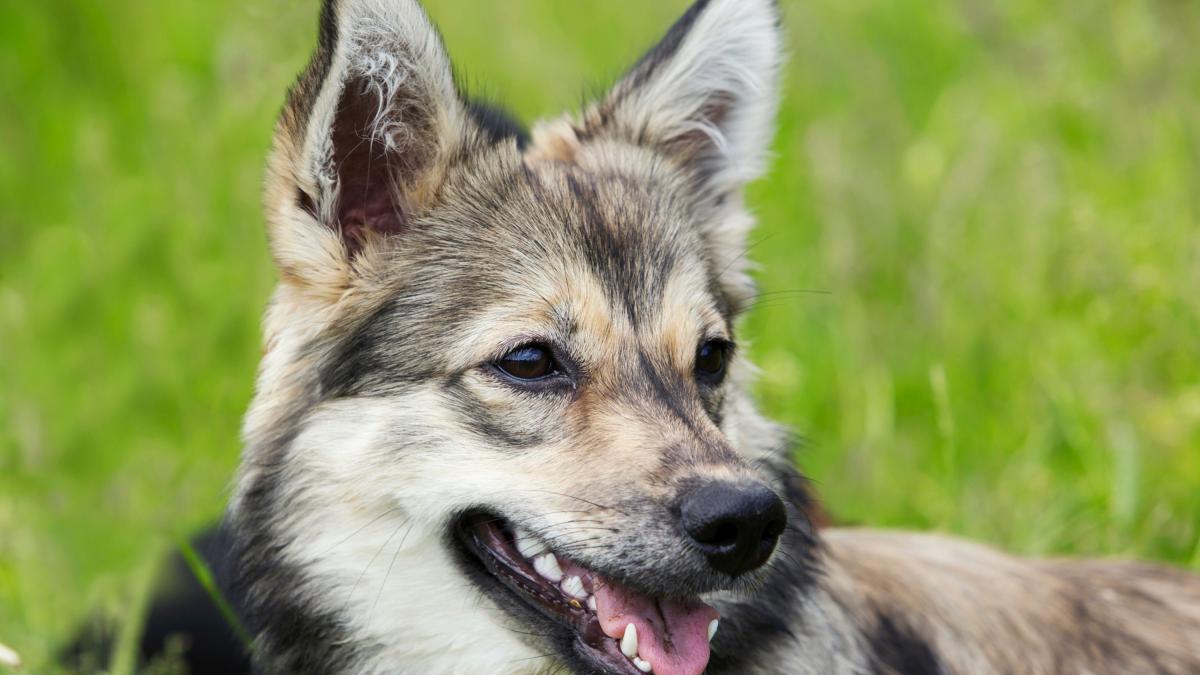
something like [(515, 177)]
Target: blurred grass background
[(997, 204)]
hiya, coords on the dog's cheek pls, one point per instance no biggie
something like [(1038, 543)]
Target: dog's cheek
[(505, 420)]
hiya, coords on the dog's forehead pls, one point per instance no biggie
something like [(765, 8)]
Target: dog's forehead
[(555, 233), (635, 236)]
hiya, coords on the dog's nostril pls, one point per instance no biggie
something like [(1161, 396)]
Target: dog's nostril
[(719, 534), (735, 526)]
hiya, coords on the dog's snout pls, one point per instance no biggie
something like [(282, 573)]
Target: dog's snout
[(736, 526)]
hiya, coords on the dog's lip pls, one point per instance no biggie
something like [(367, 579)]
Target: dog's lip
[(489, 539)]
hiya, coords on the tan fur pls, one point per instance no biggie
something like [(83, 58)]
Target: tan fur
[(618, 238), (553, 141), (984, 611)]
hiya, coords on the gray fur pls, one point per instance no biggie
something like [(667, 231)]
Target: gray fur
[(617, 237)]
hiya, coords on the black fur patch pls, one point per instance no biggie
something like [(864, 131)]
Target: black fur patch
[(378, 355), (213, 645), (182, 625), (303, 93), (291, 636), (496, 123), (898, 650), (667, 47)]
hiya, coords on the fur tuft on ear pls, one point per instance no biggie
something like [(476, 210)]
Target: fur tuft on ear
[(705, 95), (363, 139)]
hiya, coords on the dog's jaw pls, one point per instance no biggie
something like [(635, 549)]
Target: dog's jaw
[(602, 617)]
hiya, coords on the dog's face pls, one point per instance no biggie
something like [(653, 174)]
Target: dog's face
[(501, 422)]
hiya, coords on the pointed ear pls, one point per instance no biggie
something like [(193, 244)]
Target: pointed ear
[(362, 140), (705, 95)]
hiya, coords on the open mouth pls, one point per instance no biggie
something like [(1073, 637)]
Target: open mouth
[(616, 629)]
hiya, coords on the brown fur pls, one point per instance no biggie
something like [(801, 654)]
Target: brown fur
[(980, 610), (418, 241)]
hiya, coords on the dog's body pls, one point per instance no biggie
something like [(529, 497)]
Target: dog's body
[(485, 347)]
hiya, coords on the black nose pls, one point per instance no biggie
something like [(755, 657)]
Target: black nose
[(736, 526)]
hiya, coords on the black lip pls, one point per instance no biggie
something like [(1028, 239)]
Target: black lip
[(501, 573)]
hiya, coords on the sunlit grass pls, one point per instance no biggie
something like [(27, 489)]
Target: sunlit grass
[(979, 245)]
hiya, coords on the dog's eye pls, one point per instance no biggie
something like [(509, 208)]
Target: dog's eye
[(531, 362), (711, 360)]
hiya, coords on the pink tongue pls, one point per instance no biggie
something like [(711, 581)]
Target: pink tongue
[(672, 635)]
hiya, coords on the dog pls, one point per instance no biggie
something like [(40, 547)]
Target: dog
[(501, 424)]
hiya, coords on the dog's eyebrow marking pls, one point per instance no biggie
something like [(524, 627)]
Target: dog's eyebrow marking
[(564, 321), (626, 250), (603, 249)]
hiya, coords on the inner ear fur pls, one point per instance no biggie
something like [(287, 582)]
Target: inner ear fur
[(363, 139)]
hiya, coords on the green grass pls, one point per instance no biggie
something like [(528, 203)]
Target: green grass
[(998, 204)]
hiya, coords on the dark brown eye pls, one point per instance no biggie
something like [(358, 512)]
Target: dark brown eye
[(711, 359), (531, 362)]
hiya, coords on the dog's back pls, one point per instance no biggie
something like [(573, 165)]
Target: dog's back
[(929, 603)]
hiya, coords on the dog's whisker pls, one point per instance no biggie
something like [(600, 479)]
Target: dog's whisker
[(532, 658), (743, 253), (574, 521), (371, 522), (563, 494), (383, 584), (350, 594)]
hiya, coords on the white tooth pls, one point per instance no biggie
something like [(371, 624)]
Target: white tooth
[(643, 666), (573, 586), (712, 628), (591, 603), (527, 545), (547, 566), (629, 641)]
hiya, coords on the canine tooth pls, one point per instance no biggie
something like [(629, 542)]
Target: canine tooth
[(629, 641), (643, 666), (573, 586), (547, 566), (712, 628), (591, 603), (527, 545)]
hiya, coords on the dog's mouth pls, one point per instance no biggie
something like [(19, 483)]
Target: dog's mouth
[(616, 629)]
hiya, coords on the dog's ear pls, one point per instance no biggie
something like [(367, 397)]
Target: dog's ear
[(362, 141), (705, 95)]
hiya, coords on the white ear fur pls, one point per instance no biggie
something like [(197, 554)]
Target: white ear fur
[(393, 48), (360, 138), (713, 80)]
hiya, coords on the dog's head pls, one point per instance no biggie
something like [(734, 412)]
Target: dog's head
[(501, 422)]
